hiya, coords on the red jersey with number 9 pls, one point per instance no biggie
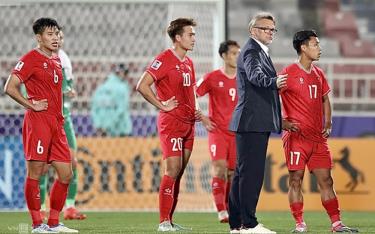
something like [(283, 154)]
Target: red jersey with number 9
[(302, 99), (175, 77), (42, 76), (222, 92)]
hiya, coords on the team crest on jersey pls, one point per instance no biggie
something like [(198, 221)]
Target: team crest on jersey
[(19, 66), (301, 80), (156, 65), (177, 67), (221, 84), (45, 65)]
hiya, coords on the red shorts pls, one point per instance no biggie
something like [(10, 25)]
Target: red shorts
[(44, 138), (222, 146), (175, 135), (300, 151)]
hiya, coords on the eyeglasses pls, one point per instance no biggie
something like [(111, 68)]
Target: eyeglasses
[(268, 30)]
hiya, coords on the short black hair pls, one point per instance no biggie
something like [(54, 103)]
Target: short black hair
[(302, 38), (42, 23), (224, 46), (176, 27)]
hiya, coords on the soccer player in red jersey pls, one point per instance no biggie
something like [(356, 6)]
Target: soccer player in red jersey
[(222, 90), (306, 103), (44, 139), (173, 74)]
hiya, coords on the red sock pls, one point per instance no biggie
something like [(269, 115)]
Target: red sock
[(32, 196), (176, 191), (297, 211), (166, 197), (57, 200), (332, 208), (218, 191), (227, 191)]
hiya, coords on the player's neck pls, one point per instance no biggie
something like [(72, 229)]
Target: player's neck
[(305, 63), (180, 52), (229, 71), (44, 51)]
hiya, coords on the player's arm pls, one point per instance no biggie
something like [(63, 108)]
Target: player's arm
[(144, 88), (327, 109), (13, 89)]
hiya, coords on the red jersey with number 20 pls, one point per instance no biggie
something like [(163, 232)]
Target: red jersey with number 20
[(302, 99), (175, 77), (223, 97), (42, 76)]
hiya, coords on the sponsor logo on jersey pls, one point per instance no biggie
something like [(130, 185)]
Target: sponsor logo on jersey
[(177, 67), (156, 65), (19, 66), (45, 65), (221, 84), (301, 80)]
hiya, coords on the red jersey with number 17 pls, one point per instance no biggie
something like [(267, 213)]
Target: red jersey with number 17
[(175, 77), (42, 76), (223, 98), (302, 99)]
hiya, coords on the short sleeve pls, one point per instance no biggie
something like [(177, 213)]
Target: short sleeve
[(325, 87), (203, 85), (159, 67), (288, 81), (23, 69)]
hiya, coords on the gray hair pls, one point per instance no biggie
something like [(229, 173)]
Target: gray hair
[(259, 16)]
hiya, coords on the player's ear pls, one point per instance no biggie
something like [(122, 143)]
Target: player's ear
[(38, 38), (178, 37)]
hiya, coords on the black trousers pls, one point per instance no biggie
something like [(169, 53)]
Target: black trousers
[(248, 178)]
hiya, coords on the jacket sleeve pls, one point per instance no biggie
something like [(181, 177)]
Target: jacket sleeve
[(254, 73)]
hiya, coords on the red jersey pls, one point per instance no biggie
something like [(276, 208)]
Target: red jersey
[(223, 97), (302, 99), (42, 76), (175, 77)]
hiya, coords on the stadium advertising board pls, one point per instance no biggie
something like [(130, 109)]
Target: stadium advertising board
[(124, 174)]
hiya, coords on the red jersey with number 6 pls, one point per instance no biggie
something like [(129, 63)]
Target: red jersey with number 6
[(302, 99), (175, 77), (42, 76), (223, 97)]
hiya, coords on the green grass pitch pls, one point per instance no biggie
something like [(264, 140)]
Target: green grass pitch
[(146, 222)]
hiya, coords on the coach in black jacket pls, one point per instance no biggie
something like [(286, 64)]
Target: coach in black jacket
[(257, 114)]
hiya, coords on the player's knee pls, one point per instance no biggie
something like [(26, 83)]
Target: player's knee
[(173, 171), (326, 182), (295, 182), (66, 177)]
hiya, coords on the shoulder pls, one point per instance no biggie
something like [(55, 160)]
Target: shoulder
[(163, 59), (292, 68), (30, 56), (318, 69)]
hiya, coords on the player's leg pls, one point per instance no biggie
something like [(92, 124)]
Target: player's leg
[(36, 141), (32, 190), (61, 162), (218, 154), (296, 152), (43, 182), (320, 165), (71, 212)]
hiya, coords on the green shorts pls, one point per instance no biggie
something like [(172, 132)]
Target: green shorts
[(70, 134)]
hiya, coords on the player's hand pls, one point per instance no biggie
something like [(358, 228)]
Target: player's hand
[(40, 105), (208, 124), (281, 81), (198, 115), (289, 126), (170, 104), (326, 132)]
